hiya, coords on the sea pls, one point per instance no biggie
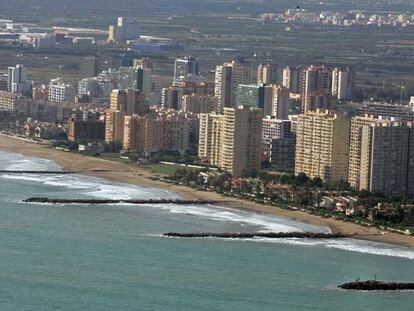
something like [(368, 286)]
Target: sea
[(113, 257)]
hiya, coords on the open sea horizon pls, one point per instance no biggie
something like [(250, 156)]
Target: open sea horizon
[(113, 257)]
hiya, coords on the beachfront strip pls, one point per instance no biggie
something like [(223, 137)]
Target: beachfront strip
[(283, 135)]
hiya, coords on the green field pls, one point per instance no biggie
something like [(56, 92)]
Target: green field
[(162, 169)]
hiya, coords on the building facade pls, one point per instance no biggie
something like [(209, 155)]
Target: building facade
[(355, 142), (198, 103), (280, 102), (124, 30), (232, 140), (171, 97), (153, 133), (316, 88), (273, 128), (227, 77), (343, 80), (322, 146), (135, 78), (91, 130), (184, 67), (293, 79), (268, 74), (17, 80), (60, 91), (387, 158)]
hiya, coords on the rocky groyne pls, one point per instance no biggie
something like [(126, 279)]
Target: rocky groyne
[(271, 235), (105, 201), (376, 285)]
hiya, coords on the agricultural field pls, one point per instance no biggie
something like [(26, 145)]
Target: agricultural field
[(214, 30)]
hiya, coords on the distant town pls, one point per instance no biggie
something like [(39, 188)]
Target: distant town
[(341, 19), (288, 135)]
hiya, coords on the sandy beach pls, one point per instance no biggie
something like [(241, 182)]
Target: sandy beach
[(134, 174)]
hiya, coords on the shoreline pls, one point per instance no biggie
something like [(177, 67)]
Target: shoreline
[(136, 175)]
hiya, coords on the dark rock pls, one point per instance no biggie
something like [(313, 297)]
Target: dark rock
[(107, 201), (271, 235), (376, 285)]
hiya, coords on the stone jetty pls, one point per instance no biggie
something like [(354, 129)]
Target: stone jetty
[(271, 235), (104, 201), (376, 285)]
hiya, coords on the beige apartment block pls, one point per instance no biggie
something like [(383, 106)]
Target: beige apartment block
[(322, 145)]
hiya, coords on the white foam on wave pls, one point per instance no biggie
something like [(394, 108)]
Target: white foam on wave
[(264, 222), (94, 187), (353, 245), (18, 162), (84, 185)]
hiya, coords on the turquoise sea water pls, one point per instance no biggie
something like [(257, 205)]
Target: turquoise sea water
[(112, 257)]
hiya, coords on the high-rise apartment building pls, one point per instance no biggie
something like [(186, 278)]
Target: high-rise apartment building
[(210, 135), (227, 77), (316, 88), (275, 128), (355, 142), (282, 153), (343, 83), (118, 100), (171, 97), (279, 142), (128, 101), (387, 158), (17, 79), (322, 146), (179, 130), (86, 129), (146, 62), (114, 126), (280, 102), (90, 66), (8, 101), (241, 141), (197, 87), (255, 95), (136, 78), (89, 87), (146, 134), (4, 81), (198, 103), (232, 141), (133, 133), (377, 109), (107, 80), (268, 74), (272, 98), (250, 95), (293, 79), (156, 90), (184, 67), (40, 92), (152, 133), (136, 103)]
